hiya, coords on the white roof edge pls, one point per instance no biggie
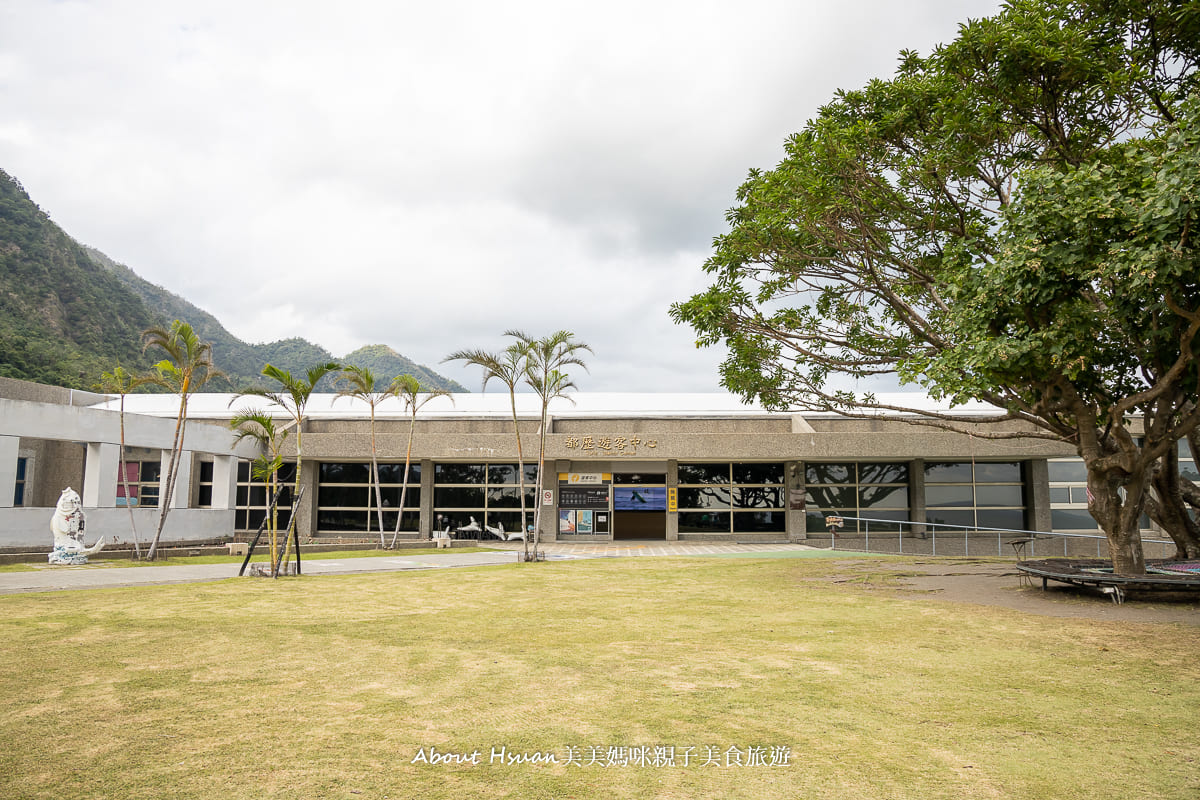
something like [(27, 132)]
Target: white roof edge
[(328, 405)]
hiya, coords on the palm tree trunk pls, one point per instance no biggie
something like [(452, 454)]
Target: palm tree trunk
[(375, 479), (176, 446), (512, 397), (287, 548), (137, 548), (404, 482)]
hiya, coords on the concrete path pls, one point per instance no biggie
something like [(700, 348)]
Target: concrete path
[(49, 579)]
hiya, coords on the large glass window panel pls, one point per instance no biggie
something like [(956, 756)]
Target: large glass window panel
[(948, 495), (942, 516), (391, 496), (458, 497), (758, 497), (1072, 519), (639, 478), (1060, 494), (758, 473), (1079, 494), (759, 522), (829, 473), (509, 497), (948, 472), (345, 473), (1188, 470), (343, 496), (1011, 518), (874, 515), (998, 472), (703, 473), (394, 473), (206, 471), (882, 473), (459, 473), (511, 520), (1072, 471), (703, 521), (872, 497), (708, 497), (993, 494), (832, 496)]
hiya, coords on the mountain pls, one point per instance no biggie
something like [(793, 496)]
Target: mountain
[(63, 319), (69, 312)]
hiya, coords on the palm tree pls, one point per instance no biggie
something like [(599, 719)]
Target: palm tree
[(359, 382), (251, 424), (545, 362), (122, 382), (408, 389), (187, 367), (292, 396), (508, 367)]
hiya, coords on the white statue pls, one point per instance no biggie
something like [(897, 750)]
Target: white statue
[(67, 527)]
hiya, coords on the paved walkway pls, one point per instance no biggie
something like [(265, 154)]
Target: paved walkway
[(50, 579)]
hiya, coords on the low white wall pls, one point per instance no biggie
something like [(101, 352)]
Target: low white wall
[(30, 527)]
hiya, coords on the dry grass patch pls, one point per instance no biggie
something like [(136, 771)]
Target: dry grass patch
[(330, 686)]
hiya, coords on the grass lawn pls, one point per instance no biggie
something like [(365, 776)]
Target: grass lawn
[(260, 554), (338, 687)]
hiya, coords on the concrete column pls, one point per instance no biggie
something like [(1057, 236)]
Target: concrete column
[(8, 469), (672, 516), (916, 495), (306, 514), (427, 474), (224, 482), (1037, 495), (796, 514), (100, 475), (183, 479), (548, 529)]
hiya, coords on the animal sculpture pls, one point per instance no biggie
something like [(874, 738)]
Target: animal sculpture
[(67, 528)]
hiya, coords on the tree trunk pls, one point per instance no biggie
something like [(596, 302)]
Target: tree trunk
[(375, 480), (1170, 510), (1119, 518)]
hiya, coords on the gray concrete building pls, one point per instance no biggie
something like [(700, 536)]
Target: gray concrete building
[(618, 466)]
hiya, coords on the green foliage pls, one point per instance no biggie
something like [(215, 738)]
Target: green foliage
[(1010, 219), (63, 320)]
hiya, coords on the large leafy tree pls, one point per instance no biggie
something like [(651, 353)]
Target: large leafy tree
[(186, 369), (507, 366), (546, 361), (1010, 219)]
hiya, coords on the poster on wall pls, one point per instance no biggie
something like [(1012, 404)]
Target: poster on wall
[(583, 521), (640, 498), (566, 521)]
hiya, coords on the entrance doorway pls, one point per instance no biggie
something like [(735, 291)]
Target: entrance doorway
[(639, 525)]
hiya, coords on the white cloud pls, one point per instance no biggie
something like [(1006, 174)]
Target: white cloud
[(429, 175)]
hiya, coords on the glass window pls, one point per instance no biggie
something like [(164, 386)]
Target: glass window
[(704, 522), (956, 496), (458, 497), (459, 473), (872, 497), (758, 473), (999, 495), (19, 489), (708, 497), (992, 472), (703, 473), (1067, 471), (759, 522), (638, 479), (948, 472), (832, 497), (882, 473), (830, 473), (758, 497), (1071, 519)]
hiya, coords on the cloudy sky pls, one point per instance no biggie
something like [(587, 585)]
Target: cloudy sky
[(428, 175)]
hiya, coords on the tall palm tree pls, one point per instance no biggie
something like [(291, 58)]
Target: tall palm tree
[(292, 396), (187, 367), (251, 424), (546, 360), (120, 381), (359, 383), (508, 367), (408, 389)]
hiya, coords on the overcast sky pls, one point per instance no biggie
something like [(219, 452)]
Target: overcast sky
[(428, 175)]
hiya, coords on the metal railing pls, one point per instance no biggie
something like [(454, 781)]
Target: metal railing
[(903, 537)]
